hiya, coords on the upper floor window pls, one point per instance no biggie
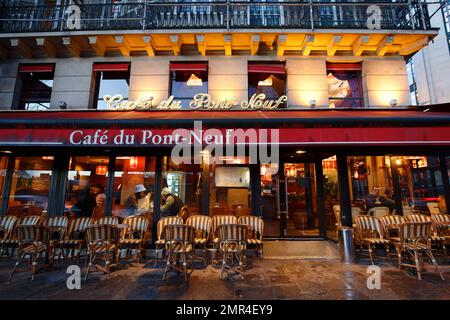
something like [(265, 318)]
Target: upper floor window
[(36, 83), (187, 80), (267, 78), (110, 79), (344, 85)]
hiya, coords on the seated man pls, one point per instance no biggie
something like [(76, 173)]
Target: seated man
[(171, 204), (138, 202)]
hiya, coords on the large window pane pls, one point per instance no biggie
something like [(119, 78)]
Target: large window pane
[(134, 180), (184, 181), (331, 194), (420, 181), (36, 90), (344, 86), (86, 185), (111, 83), (371, 182), (30, 185), (185, 84)]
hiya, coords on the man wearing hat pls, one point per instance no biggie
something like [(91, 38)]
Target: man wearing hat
[(138, 202), (171, 203)]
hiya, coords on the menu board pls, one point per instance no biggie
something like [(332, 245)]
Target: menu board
[(232, 177)]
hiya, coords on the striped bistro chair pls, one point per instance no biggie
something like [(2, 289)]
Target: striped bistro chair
[(7, 224), (415, 239), (58, 229), (107, 220), (216, 222), (369, 233), (179, 246), (256, 230), (202, 225), (30, 221), (378, 212), (160, 242), (134, 235), (75, 236), (391, 226), (441, 224), (435, 238), (102, 242), (33, 242), (232, 244)]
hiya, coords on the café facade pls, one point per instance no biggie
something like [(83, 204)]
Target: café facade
[(280, 123)]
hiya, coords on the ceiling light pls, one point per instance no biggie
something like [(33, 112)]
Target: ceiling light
[(300, 152), (194, 81)]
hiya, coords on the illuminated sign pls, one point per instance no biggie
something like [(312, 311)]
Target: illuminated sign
[(201, 101)]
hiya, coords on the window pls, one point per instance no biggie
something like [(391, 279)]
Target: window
[(30, 185), (344, 85), (420, 181), (371, 182), (268, 78), (134, 180), (110, 79), (86, 183), (36, 83), (187, 80), (446, 16)]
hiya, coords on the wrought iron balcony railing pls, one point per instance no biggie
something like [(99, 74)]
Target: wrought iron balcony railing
[(225, 15)]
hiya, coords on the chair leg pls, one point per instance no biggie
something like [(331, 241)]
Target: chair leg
[(169, 256), (21, 256), (224, 255), (185, 266), (416, 259), (433, 261), (370, 253), (33, 265), (91, 258)]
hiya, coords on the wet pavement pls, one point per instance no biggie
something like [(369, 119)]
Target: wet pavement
[(265, 280)]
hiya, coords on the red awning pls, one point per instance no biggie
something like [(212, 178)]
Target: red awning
[(36, 67), (267, 68), (344, 66), (111, 67), (188, 67)]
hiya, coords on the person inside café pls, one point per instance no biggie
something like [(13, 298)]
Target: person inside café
[(387, 200), (171, 204), (137, 203), (99, 195), (373, 200)]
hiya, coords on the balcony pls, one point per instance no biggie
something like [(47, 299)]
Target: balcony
[(215, 15)]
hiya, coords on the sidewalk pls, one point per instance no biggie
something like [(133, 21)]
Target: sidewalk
[(268, 279)]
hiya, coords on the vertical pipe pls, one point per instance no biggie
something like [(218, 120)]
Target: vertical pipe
[(445, 181), (321, 199), (311, 13), (157, 196), (255, 179), (397, 187), (344, 190), (58, 186), (205, 194), (110, 186), (8, 180), (282, 196)]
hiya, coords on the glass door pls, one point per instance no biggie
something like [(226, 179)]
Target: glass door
[(301, 218)]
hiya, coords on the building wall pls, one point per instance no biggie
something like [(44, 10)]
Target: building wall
[(432, 66), (383, 79)]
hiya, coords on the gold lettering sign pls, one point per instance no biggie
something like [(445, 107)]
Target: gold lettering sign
[(201, 101)]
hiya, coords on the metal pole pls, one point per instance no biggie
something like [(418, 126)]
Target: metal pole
[(422, 15), (157, 196), (413, 23), (321, 199), (397, 187), (311, 12), (110, 185), (228, 15), (144, 18), (344, 191), (445, 181)]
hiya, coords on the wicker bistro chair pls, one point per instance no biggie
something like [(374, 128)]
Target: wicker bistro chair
[(435, 238), (58, 230), (34, 240), (160, 242), (216, 222), (179, 243), (441, 224), (378, 212), (7, 224), (391, 226), (102, 242), (256, 230), (415, 240), (202, 225), (75, 236), (369, 233), (134, 236), (13, 241), (232, 244), (107, 220)]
